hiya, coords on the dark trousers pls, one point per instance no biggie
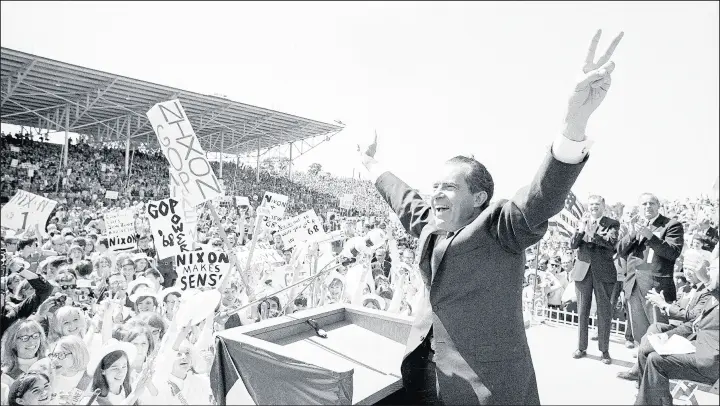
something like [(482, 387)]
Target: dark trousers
[(656, 371), (420, 384), (642, 313), (603, 292)]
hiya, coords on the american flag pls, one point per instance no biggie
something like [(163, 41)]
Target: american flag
[(565, 222)]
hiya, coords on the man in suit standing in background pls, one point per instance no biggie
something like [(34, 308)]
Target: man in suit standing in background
[(651, 248), (472, 254), (594, 271)]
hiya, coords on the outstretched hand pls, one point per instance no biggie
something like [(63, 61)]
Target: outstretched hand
[(591, 89)]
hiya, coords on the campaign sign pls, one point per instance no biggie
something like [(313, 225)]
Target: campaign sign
[(241, 201), (111, 194), (25, 210), (189, 167), (298, 229), (346, 202), (201, 269), (168, 227), (275, 205), (120, 228), (189, 212)]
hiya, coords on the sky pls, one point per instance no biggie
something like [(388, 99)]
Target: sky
[(433, 79)]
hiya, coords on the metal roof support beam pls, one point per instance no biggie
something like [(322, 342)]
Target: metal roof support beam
[(93, 123), (5, 116), (89, 104), (20, 77), (33, 112), (213, 117)]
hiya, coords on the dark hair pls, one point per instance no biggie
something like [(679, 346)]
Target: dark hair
[(58, 262), (81, 241), (99, 381), (83, 268), (301, 301), (25, 242), (478, 177), (24, 383), (104, 242)]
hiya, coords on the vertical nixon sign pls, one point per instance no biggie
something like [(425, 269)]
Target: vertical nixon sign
[(168, 227), (189, 166), (25, 210), (120, 226)]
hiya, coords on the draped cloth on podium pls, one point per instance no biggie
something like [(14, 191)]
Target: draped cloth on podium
[(274, 379)]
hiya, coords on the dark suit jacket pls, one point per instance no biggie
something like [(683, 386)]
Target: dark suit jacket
[(694, 307), (650, 262), (598, 252), (705, 338), (478, 274)]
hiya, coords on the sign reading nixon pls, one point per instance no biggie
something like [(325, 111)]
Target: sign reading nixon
[(189, 166), (201, 269)]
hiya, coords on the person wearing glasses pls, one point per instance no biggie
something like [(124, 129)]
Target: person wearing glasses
[(22, 345), (69, 358)]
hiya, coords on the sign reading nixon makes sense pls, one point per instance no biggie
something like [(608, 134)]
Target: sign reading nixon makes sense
[(303, 227), (189, 166), (25, 210), (201, 269), (168, 227), (120, 228), (275, 205)]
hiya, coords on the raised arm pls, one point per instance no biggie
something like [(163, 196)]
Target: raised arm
[(407, 203)]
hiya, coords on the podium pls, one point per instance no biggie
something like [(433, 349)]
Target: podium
[(283, 360)]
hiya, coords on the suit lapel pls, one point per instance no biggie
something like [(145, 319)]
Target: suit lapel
[(439, 252), (426, 243)]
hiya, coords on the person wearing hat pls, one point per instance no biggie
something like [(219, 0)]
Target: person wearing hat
[(144, 299), (373, 301), (110, 368)]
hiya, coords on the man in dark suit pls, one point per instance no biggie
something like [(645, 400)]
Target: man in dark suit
[(594, 271), (702, 366), (651, 248), (472, 254)]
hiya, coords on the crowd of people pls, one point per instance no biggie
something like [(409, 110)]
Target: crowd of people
[(84, 323)]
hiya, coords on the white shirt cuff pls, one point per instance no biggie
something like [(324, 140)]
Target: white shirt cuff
[(374, 168), (569, 151)]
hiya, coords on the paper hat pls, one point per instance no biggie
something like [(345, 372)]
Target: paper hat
[(142, 291), (167, 291), (141, 280), (111, 346)]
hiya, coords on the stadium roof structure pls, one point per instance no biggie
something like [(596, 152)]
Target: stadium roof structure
[(47, 94)]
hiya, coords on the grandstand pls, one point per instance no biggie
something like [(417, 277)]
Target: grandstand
[(43, 93)]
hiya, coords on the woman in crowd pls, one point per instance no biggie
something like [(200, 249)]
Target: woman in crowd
[(69, 359), (22, 345), (76, 254), (103, 266), (30, 389), (68, 321), (155, 323), (110, 369), (140, 336), (170, 298)]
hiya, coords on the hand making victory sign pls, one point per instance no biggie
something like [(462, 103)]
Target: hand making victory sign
[(591, 89)]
